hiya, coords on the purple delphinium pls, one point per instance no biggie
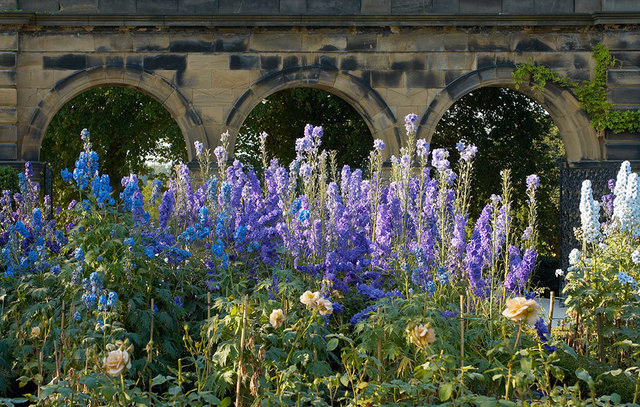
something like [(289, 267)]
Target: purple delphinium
[(533, 182), (439, 159), (467, 151), (449, 314), (478, 252), (166, 206), (544, 335), (198, 146), (410, 123)]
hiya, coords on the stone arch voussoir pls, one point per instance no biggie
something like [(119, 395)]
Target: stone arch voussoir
[(580, 138), (365, 100), (159, 88)]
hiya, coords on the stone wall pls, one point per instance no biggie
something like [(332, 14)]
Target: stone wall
[(209, 72), (210, 78)]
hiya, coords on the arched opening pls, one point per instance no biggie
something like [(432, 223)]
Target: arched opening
[(512, 132), (283, 116), (157, 87), (580, 140), (378, 117), (130, 130)]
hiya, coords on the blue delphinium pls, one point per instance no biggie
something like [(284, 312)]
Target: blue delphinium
[(625, 278), (67, 176), (544, 335), (363, 314), (177, 301)]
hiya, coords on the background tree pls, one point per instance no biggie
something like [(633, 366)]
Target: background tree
[(510, 131), (283, 116), (130, 131)]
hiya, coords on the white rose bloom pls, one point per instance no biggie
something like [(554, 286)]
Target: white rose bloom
[(309, 299), (116, 361), (276, 318), (325, 307)]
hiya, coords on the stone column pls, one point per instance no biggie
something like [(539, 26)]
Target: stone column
[(8, 96)]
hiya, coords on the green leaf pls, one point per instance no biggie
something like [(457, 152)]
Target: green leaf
[(615, 398), (159, 379), (484, 401), (446, 390), (319, 369), (568, 349), (226, 402), (583, 375), (332, 344), (344, 379)]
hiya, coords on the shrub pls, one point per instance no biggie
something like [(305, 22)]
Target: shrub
[(8, 179)]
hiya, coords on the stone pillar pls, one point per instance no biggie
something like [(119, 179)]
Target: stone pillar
[(8, 96)]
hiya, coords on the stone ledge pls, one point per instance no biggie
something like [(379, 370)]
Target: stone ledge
[(238, 20)]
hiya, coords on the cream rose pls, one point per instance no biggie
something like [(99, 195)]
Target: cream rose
[(421, 335), (35, 331), (116, 361), (520, 309), (276, 318), (324, 306), (309, 299)]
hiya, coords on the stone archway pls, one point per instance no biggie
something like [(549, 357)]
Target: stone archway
[(365, 100), (154, 85), (580, 139)]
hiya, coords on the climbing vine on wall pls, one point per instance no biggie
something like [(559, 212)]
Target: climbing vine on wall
[(592, 94)]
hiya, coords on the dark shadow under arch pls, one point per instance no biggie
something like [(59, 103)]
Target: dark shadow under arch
[(365, 100), (580, 139), (145, 81)]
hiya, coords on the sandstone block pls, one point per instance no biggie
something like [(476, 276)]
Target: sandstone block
[(7, 77), (281, 42), (293, 7), (8, 41), (8, 134), (198, 6), (8, 97), (113, 42), (79, 5), (156, 6), (324, 42), (8, 114), (624, 77), (460, 60), (375, 7), (8, 151), (69, 42)]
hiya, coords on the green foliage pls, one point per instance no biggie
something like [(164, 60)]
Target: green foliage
[(283, 117), (592, 94), (605, 382), (128, 128), (8, 179), (510, 131)]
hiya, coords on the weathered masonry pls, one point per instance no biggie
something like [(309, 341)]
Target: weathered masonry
[(211, 61)]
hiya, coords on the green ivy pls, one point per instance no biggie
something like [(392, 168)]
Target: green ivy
[(592, 94)]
